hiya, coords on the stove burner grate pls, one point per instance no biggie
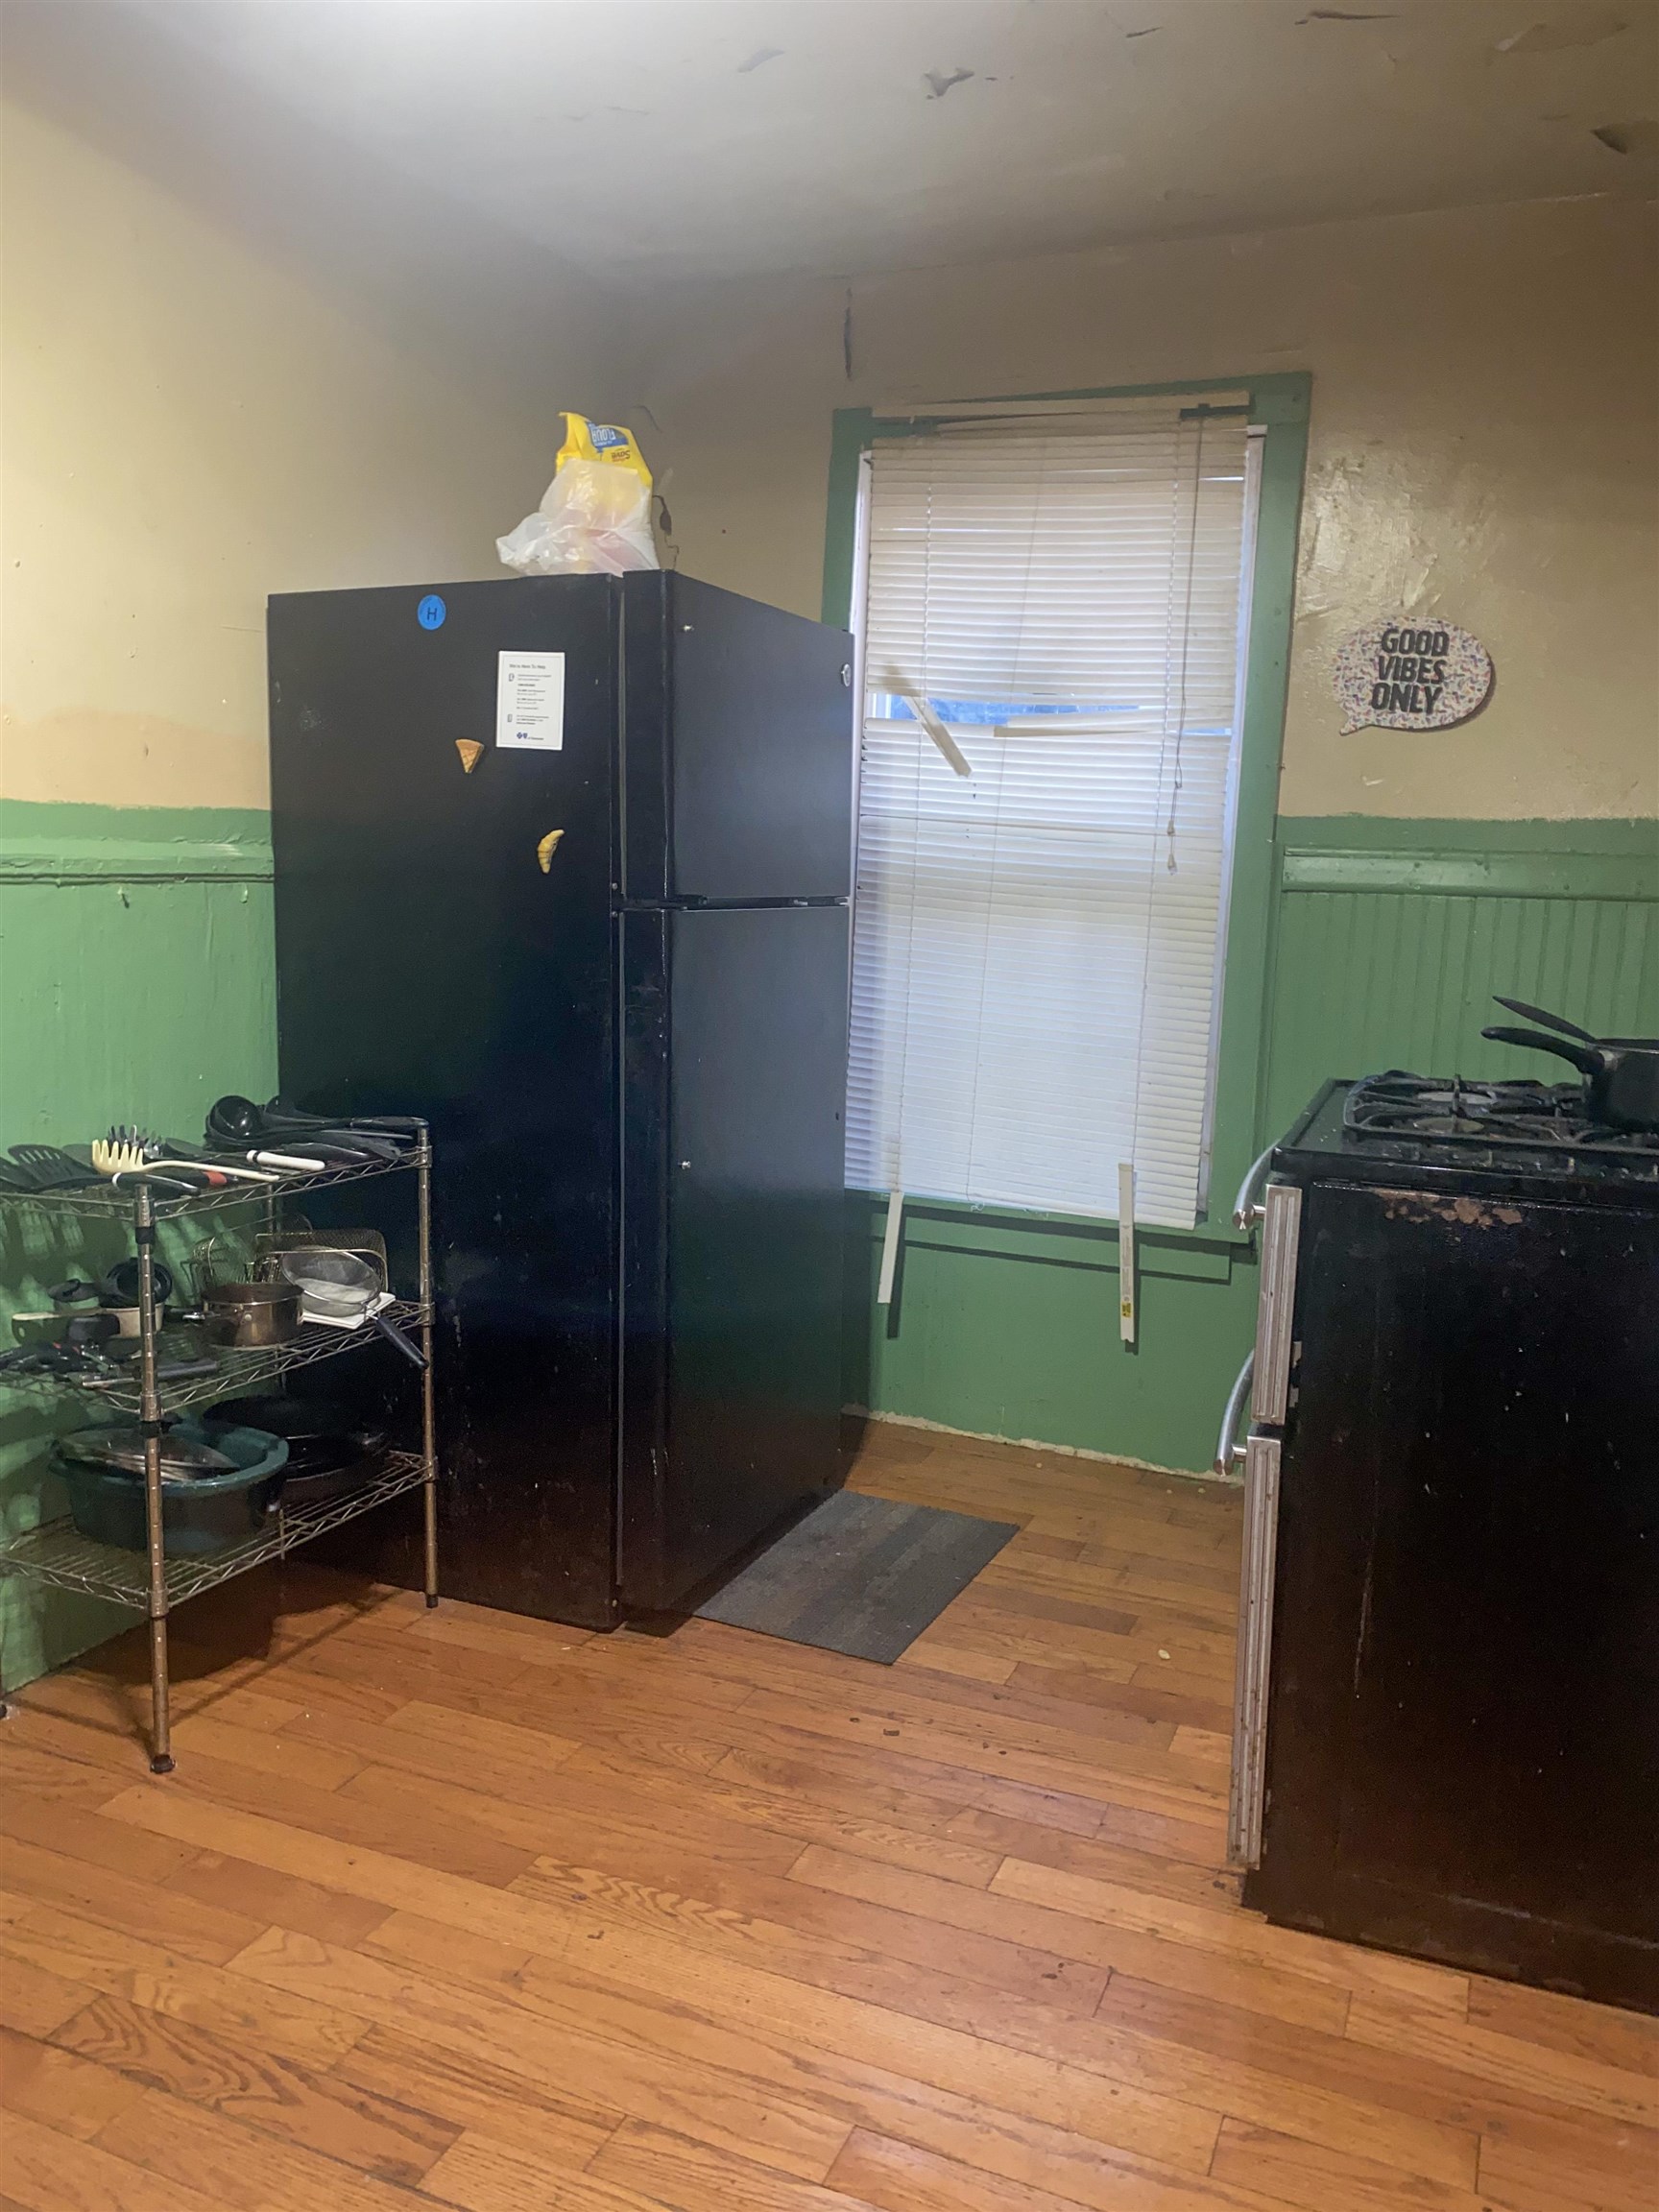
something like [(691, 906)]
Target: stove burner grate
[(1523, 1115)]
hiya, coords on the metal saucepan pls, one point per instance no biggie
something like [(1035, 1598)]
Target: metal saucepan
[(250, 1315), (344, 1288), (1621, 1073)]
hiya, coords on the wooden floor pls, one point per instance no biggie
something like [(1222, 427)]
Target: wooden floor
[(459, 1909)]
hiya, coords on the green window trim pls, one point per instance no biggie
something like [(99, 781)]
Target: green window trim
[(1279, 403)]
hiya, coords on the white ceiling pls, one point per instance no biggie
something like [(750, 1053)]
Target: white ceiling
[(650, 144)]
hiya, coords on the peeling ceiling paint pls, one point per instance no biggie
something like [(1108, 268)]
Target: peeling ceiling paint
[(654, 142)]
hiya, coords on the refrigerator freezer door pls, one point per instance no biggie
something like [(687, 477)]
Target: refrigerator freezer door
[(734, 1059), (1253, 1661), (737, 747), (427, 963)]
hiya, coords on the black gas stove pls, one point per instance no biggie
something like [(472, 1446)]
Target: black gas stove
[(1446, 1127), (1447, 1730)]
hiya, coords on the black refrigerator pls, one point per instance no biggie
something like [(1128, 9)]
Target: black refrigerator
[(563, 864)]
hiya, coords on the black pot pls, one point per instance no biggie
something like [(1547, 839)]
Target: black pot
[(1621, 1073), (329, 1452)]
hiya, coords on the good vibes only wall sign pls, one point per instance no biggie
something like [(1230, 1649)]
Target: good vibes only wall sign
[(1399, 674)]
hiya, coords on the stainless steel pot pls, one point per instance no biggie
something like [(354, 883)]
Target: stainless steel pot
[(248, 1315)]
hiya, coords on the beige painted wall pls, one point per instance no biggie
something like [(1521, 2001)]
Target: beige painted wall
[(1483, 448), (187, 427)]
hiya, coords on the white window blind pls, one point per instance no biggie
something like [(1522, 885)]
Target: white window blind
[(1060, 602)]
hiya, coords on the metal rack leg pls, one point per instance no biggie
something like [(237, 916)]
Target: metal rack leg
[(428, 1408), (161, 1722)]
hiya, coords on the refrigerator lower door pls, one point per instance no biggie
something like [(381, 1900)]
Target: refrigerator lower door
[(1254, 1664), (734, 1045)]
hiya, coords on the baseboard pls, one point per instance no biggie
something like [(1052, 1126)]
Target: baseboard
[(1038, 1443)]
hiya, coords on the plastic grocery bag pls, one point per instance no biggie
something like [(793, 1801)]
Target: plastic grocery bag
[(595, 516)]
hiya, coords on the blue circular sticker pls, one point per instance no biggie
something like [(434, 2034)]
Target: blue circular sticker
[(431, 611)]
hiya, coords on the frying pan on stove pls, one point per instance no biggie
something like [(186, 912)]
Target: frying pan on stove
[(1621, 1073)]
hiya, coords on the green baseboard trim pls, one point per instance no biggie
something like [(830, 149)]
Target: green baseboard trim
[(66, 843)]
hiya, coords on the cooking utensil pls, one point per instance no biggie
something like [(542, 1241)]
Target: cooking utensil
[(1550, 1021), (46, 1167), (236, 1123), (115, 1157), (94, 1328), (183, 1457), (1622, 1073), (250, 1315), (341, 1288)]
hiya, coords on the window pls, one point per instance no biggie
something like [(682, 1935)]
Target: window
[(1054, 611)]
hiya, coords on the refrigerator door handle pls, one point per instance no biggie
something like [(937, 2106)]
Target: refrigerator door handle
[(1247, 1798), (1276, 1304), (1229, 1455)]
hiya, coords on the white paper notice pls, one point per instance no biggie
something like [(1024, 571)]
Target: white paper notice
[(530, 701)]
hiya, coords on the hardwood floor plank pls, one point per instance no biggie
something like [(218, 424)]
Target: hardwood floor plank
[(265, 1897), (589, 1818), (1531, 2159), (619, 1979), (48, 2172), (55, 1766), (686, 2176), (1531, 2069), (80, 1832), (554, 2029), (390, 2139), (935, 1655), (197, 2158), (274, 1752), (95, 1959), (1236, 1935), (187, 1925), (523, 1777), (462, 1910), (1176, 1965), (1194, 1875), (787, 1811), (472, 2094), (437, 1838), (55, 2086), (1410, 2082), (845, 1942), (34, 1999), (875, 1774), (1079, 1686), (1629, 2040), (1076, 1764), (1315, 2178), (487, 2176), (899, 2177)]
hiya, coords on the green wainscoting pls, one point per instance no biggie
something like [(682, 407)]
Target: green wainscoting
[(1386, 941), (1391, 937), (137, 983)]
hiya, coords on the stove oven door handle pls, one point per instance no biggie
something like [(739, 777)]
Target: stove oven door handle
[(1247, 1796), (1229, 1451), (1246, 1209)]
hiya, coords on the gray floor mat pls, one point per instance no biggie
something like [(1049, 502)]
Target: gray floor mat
[(863, 1576)]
